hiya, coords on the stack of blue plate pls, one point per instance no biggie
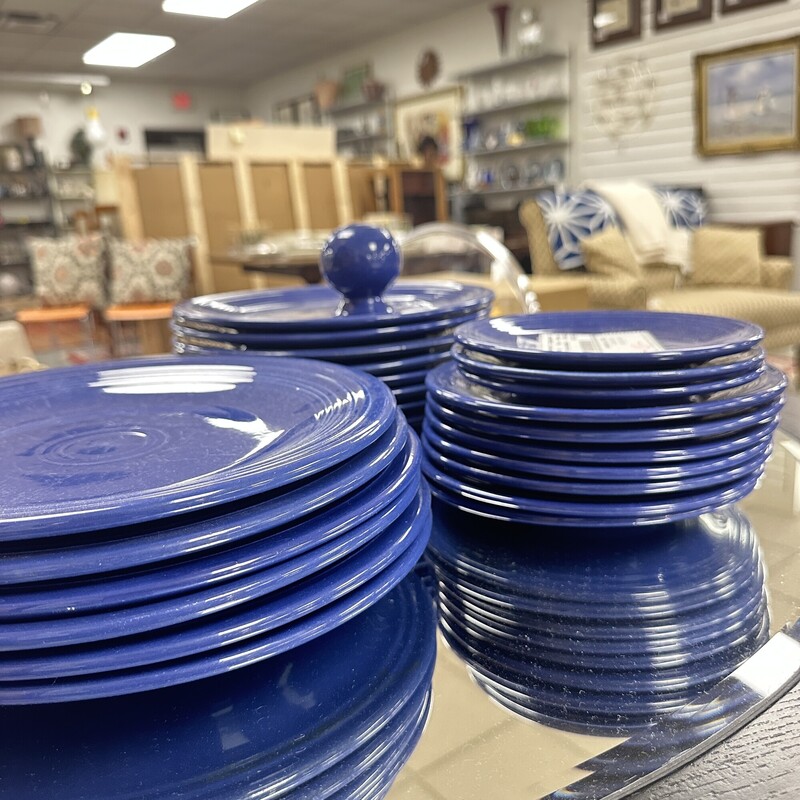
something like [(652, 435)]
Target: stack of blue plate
[(335, 718), (163, 520), (606, 634), (396, 334), (600, 418)]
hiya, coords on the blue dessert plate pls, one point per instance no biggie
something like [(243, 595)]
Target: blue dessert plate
[(103, 445), (639, 339)]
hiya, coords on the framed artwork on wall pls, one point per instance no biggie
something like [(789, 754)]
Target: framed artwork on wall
[(350, 89), (615, 21), (727, 6), (428, 129), (747, 99), (672, 13)]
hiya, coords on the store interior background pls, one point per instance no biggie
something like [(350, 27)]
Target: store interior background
[(300, 42)]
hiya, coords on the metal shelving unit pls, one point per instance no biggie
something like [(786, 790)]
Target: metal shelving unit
[(364, 129)]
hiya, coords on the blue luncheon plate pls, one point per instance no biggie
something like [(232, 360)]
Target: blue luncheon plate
[(451, 387), (221, 615), (398, 366), (102, 445), (603, 457), (589, 488), (511, 509), (611, 396), (258, 337), (317, 308), (639, 339), (332, 503), (224, 659), (326, 697), (714, 370), (599, 433)]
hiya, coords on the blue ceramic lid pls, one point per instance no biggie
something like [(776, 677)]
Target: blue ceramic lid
[(635, 339), (104, 445)]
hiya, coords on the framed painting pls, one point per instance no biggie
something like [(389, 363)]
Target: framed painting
[(428, 128), (727, 6), (615, 21), (747, 100), (673, 13), (350, 90)]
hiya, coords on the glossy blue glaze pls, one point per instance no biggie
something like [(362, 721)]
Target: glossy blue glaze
[(226, 737), (244, 653), (219, 616), (111, 444), (337, 500), (450, 387), (313, 308), (599, 631), (716, 369), (268, 559), (597, 433), (681, 338), (607, 458)]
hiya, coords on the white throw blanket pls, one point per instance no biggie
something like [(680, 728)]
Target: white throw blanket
[(647, 228)]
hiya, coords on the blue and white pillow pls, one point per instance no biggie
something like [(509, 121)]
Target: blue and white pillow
[(571, 217), (685, 208)]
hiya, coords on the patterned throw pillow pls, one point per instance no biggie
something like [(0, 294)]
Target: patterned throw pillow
[(69, 270), (684, 208), (570, 218), (607, 253), (723, 256), (152, 271)]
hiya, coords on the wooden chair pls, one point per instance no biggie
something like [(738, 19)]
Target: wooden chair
[(54, 316), (150, 324)]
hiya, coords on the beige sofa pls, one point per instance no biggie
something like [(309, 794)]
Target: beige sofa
[(772, 305)]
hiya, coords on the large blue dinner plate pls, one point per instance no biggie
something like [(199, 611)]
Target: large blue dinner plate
[(261, 337), (271, 565), (609, 433), (397, 366), (332, 503), (112, 444), (714, 370), (315, 308), (639, 339), (325, 698), (506, 458), (344, 354), (201, 620), (243, 653), (588, 489), (586, 459), (452, 388), (610, 396)]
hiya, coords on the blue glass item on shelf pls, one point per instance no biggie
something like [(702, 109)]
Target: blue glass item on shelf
[(599, 631), (244, 653), (361, 261), (716, 369), (608, 339), (451, 387), (342, 695), (343, 497), (219, 616), (119, 441)]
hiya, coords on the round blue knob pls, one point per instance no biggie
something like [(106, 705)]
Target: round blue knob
[(361, 261)]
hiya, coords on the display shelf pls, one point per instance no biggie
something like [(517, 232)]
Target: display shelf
[(509, 65), (361, 137), (497, 191), (520, 148), (361, 107), (510, 108)]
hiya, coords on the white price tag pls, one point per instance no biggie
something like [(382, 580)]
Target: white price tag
[(611, 342)]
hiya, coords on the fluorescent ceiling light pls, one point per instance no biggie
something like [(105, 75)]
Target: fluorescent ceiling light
[(128, 50), (220, 9), (54, 79)]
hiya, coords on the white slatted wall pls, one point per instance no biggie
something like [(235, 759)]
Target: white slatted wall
[(740, 188)]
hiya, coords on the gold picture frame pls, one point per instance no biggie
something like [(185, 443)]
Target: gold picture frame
[(747, 100), (428, 128)]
